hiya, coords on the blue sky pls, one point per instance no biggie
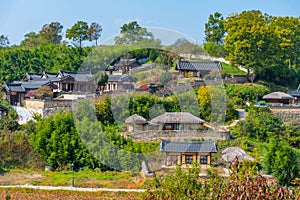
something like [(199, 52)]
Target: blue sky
[(19, 17)]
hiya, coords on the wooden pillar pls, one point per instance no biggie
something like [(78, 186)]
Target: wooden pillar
[(166, 159), (180, 158)]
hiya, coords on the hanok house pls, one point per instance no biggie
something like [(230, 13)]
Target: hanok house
[(15, 92), (60, 83), (74, 81), (177, 121), (296, 95), (197, 69), (135, 123), (280, 98), (120, 82), (186, 153), (124, 65)]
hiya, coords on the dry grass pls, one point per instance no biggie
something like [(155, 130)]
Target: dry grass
[(86, 178), (30, 194)]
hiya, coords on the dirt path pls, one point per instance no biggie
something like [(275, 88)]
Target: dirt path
[(73, 188)]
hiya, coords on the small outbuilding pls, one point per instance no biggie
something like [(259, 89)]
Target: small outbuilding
[(135, 123), (186, 153), (279, 98)]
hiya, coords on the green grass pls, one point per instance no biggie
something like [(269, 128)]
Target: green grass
[(83, 178), (228, 69), (87, 178)]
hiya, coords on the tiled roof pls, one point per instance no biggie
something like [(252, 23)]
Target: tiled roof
[(198, 66), (49, 75), (120, 77), (295, 93), (78, 76), (35, 81), (32, 76), (177, 117), (14, 87), (205, 147), (127, 62)]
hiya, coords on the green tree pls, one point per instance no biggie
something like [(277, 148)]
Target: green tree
[(52, 32), (56, 140), (214, 29), (78, 32), (94, 32), (251, 41), (260, 125), (133, 33), (103, 110), (101, 79), (3, 41), (281, 161), (31, 40)]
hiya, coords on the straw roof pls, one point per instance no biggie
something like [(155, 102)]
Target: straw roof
[(231, 153), (177, 117), (135, 119), (278, 95)]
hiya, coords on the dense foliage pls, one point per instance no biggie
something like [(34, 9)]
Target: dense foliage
[(16, 61), (242, 94), (16, 151), (277, 152), (267, 45), (214, 105), (60, 140), (243, 183)]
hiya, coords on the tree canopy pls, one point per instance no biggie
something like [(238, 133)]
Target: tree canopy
[(52, 32), (266, 45), (78, 32), (94, 32), (133, 33)]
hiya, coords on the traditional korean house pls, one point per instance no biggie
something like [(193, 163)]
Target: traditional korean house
[(120, 82), (186, 153), (60, 83), (197, 69), (135, 123), (15, 92), (177, 121), (75, 81), (296, 95), (278, 98)]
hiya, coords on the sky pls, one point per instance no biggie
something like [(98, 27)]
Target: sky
[(167, 19)]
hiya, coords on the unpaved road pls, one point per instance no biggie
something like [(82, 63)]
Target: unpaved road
[(73, 188)]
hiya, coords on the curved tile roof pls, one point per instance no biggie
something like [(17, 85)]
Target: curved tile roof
[(172, 146)]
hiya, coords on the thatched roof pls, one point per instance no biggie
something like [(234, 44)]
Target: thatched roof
[(177, 117), (231, 153), (278, 95), (135, 119)]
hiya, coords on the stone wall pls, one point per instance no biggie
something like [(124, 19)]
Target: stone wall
[(46, 107), (286, 114), (156, 136)]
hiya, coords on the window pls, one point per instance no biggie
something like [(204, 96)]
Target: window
[(188, 159), (176, 126), (203, 159), (173, 159)]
